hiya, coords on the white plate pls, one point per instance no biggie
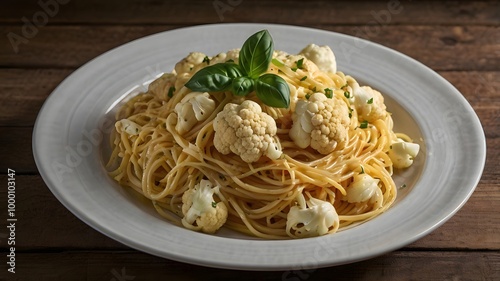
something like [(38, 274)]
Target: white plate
[(68, 138)]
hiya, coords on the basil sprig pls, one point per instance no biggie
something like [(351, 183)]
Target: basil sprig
[(245, 77), (214, 78)]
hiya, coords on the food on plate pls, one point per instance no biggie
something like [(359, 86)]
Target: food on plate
[(264, 142)]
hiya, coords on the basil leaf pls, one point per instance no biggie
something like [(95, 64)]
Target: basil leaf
[(242, 86), (214, 78), (273, 90), (256, 54)]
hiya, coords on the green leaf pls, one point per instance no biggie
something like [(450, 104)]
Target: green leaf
[(256, 54), (242, 86), (214, 78), (273, 90)]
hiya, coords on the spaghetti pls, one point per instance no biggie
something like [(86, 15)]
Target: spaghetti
[(299, 194)]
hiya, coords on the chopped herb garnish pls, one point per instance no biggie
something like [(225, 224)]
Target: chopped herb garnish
[(308, 96), (314, 89), (303, 78), (346, 84), (362, 170), (350, 112), (370, 101), (206, 59), (214, 204), (363, 125), (402, 186), (294, 69), (277, 63), (300, 63), (171, 91), (329, 93), (347, 94)]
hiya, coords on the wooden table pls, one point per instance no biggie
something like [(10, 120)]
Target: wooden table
[(43, 44)]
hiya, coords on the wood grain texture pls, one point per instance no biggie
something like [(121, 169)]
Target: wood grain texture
[(15, 150), (124, 265), (295, 12), (23, 93), (439, 47)]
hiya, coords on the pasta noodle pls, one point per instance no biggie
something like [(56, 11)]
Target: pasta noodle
[(150, 155)]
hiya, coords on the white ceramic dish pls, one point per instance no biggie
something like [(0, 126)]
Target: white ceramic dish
[(69, 132)]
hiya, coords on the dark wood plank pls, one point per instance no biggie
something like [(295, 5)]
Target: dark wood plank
[(38, 211), (475, 226), (423, 265), (15, 150), (23, 93), (68, 46), (290, 12), (439, 47)]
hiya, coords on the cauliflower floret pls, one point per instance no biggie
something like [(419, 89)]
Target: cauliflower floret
[(369, 103), (128, 126), (322, 56), (219, 58), (320, 122), (302, 126), (188, 63), (314, 218), (246, 131), (161, 86), (292, 61), (402, 153), (200, 210), (231, 55), (363, 188), (194, 107)]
